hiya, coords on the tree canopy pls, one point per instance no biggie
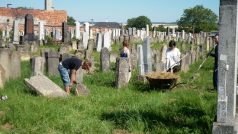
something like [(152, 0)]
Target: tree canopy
[(139, 22), (71, 21), (198, 19)]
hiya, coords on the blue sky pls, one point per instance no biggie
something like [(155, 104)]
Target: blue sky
[(119, 10)]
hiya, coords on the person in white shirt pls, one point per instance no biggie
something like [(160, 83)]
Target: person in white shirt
[(173, 56)]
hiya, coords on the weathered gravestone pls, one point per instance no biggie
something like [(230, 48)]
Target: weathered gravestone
[(77, 30), (29, 28), (140, 60), (99, 42), (16, 32), (122, 72), (37, 66), (227, 120), (44, 86), (52, 63), (15, 65), (105, 60), (2, 76), (65, 33), (81, 90), (4, 61), (147, 55)]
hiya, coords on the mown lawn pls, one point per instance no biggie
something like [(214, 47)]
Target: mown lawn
[(188, 108)]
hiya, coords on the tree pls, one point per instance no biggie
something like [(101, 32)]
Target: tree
[(161, 28), (198, 19), (71, 21), (139, 22)]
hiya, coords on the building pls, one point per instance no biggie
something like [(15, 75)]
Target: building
[(171, 25)]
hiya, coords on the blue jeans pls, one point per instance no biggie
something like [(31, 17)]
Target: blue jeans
[(64, 73)]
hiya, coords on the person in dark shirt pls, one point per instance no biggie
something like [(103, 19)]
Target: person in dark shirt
[(215, 55), (68, 69)]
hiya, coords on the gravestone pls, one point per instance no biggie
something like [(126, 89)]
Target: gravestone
[(147, 55), (133, 57), (52, 63), (65, 33), (227, 69), (106, 40), (41, 30), (184, 63), (140, 60), (77, 30), (5, 61), (81, 90), (29, 28), (99, 42), (113, 57), (105, 60), (15, 65), (79, 75), (122, 72), (44, 86), (129, 31), (2, 77), (37, 66), (86, 28), (147, 30), (74, 45), (85, 40), (16, 32)]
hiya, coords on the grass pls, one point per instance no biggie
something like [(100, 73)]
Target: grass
[(188, 108)]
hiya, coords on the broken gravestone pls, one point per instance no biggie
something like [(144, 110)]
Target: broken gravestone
[(44, 86)]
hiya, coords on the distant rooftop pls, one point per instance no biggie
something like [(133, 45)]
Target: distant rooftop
[(107, 24)]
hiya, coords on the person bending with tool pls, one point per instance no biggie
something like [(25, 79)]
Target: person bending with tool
[(68, 68), (173, 58), (215, 55)]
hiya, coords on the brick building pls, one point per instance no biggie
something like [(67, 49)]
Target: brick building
[(51, 18)]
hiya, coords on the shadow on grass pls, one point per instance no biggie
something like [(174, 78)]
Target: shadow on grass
[(191, 119)]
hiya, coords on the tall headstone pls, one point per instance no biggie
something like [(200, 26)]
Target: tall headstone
[(99, 42), (15, 65), (16, 32), (77, 30), (147, 55), (85, 40), (2, 76), (105, 59), (29, 28), (86, 27), (122, 72), (129, 31), (65, 32), (140, 60), (227, 68), (4, 61), (41, 30), (147, 30), (48, 5), (106, 40)]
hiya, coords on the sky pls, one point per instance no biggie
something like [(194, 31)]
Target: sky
[(119, 10)]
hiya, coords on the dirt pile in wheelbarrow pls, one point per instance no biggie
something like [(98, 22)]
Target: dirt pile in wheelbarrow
[(162, 79)]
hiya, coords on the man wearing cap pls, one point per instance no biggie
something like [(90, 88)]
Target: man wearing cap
[(68, 69)]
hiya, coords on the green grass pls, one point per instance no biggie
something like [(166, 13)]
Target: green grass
[(188, 108)]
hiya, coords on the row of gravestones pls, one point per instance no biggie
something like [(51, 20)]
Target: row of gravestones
[(10, 65)]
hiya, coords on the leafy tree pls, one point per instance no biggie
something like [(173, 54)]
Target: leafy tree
[(71, 21), (198, 19), (139, 22), (161, 28)]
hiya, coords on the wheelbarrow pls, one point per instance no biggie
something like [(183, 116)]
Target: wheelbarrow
[(162, 80)]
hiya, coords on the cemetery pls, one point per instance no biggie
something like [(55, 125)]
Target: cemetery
[(106, 99)]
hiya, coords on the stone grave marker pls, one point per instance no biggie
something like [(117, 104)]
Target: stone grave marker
[(122, 72), (44, 86), (37, 66), (29, 28), (16, 32), (105, 60), (99, 42), (2, 76), (147, 55), (15, 65), (52, 63)]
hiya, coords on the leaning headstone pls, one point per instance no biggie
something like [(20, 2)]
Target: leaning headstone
[(2, 77), (44, 86), (122, 72), (52, 63), (15, 65), (37, 66), (29, 28), (105, 60), (16, 32), (147, 55)]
